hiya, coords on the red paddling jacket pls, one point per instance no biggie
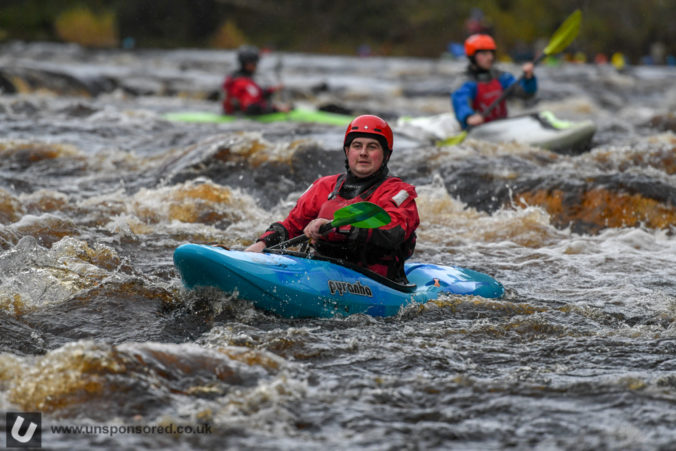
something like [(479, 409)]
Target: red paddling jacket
[(244, 95), (382, 250)]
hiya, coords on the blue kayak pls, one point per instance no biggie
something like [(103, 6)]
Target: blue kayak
[(292, 285)]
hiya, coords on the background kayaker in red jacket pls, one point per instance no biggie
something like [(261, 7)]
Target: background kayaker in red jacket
[(242, 93), (368, 145), (486, 83)]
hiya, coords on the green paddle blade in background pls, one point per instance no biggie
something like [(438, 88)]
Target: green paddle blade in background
[(565, 34), (453, 140), (364, 215)]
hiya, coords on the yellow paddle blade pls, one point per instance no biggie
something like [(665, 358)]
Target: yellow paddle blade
[(565, 34), (453, 140)]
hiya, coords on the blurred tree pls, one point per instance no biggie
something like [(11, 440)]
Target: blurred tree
[(402, 27), (228, 36), (82, 26), (168, 22)]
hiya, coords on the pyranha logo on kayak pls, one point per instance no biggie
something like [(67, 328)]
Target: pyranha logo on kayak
[(354, 288)]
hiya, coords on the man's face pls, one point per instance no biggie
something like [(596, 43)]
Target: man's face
[(250, 66), (365, 156)]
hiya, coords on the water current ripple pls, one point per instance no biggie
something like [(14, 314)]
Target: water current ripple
[(97, 189)]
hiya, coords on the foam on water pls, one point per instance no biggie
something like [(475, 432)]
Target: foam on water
[(98, 191)]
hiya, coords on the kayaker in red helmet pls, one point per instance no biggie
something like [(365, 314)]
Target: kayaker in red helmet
[(242, 93), (368, 146), (486, 83)]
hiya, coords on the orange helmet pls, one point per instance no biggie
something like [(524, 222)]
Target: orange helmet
[(368, 124), (478, 42)]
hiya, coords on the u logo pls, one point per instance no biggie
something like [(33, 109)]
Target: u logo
[(23, 429), (26, 436)]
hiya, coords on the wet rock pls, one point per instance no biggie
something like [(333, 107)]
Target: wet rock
[(79, 110), (586, 205), (24, 107), (19, 338), (608, 201), (6, 85), (11, 209), (477, 183), (664, 122), (254, 166)]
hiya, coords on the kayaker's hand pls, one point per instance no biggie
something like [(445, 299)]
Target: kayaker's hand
[(475, 119), (528, 70), (312, 229), (258, 246)]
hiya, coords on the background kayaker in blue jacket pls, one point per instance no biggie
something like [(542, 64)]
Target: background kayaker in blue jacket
[(486, 84), (367, 145)]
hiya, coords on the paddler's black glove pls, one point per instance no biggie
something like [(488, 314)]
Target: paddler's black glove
[(275, 234)]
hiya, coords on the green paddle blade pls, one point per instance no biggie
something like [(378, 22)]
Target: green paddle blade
[(453, 140), (364, 215), (565, 34)]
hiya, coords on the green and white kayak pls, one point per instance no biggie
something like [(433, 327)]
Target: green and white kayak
[(295, 115), (541, 129)]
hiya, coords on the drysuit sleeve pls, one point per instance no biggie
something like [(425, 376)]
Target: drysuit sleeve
[(462, 100), (306, 209), (527, 86)]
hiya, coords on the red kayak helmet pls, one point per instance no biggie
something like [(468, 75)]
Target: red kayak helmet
[(367, 124), (478, 42)]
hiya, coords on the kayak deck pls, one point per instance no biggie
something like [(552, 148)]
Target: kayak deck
[(539, 130)]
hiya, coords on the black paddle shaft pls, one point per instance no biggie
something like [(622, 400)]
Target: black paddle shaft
[(509, 89), (301, 238)]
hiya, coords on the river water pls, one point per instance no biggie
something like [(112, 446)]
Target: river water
[(97, 189)]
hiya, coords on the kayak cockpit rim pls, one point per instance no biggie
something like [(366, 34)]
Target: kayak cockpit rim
[(405, 288)]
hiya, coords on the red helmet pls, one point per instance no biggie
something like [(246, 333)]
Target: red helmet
[(368, 124), (478, 42)]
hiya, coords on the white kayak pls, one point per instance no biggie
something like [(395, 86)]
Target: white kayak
[(540, 130)]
